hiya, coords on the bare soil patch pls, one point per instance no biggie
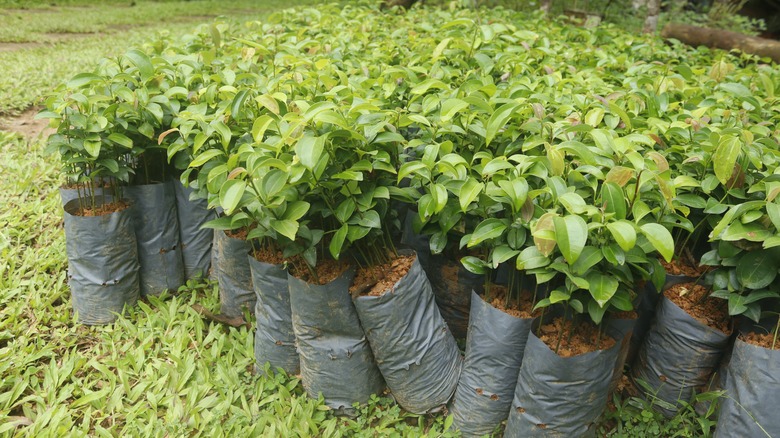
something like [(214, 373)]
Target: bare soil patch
[(522, 308), (761, 340), (26, 124)]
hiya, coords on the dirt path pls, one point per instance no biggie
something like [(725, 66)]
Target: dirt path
[(26, 124)]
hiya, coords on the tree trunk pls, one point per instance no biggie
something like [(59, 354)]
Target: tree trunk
[(723, 39), (651, 21), (545, 6)]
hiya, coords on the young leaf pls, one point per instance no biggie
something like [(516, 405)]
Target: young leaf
[(571, 235), (498, 119), (285, 227), (660, 238), (309, 149), (337, 243), (487, 229), (624, 234), (725, 157), (469, 191), (757, 269), (230, 194), (602, 287)]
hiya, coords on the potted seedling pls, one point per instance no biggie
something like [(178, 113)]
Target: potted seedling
[(101, 245)]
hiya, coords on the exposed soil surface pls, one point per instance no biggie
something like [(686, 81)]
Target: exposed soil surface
[(519, 308), (26, 124), (624, 315), (269, 256), (682, 267), (694, 300), (103, 209), (377, 280), (327, 270), (761, 340), (574, 339), (240, 233)]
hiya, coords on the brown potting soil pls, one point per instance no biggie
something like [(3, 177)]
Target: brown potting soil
[(377, 280), (695, 301), (327, 270), (102, 210), (624, 315), (269, 256), (522, 308), (240, 233), (680, 266), (761, 340), (574, 339)]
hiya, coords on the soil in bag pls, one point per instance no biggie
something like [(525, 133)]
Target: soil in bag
[(234, 277), (563, 394), (683, 346), (196, 241), (157, 232), (335, 358), (752, 387), (414, 349), (102, 259), (274, 335), (494, 352)]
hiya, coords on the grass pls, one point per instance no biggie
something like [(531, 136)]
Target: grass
[(161, 370)]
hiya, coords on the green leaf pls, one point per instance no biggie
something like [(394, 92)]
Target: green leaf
[(345, 209), (602, 287), (660, 238), (501, 254), (142, 62), (285, 227), (613, 200), (469, 192), (725, 157), (296, 210), (498, 119), (92, 148), (337, 243), (83, 79), (487, 229), (571, 234), (589, 258), (773, 211), (204, 158), (624, 234), (309, 150), (451, 107), (596, 312), (757, 269), (572, 202), (370, 219), (121, 139), (474, 265), (273, 182), (230, 194), (531, 258), (259, 127)]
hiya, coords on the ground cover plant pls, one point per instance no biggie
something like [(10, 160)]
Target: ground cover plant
[(576, 158)]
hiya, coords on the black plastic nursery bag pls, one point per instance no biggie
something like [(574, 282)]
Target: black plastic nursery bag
[(274, 336), (102, 263), (678, 356), (414, 349), (560, 396), (157, 232), (336, 360), (494, 352), (196, 241), (750, 406), (231, 267)]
